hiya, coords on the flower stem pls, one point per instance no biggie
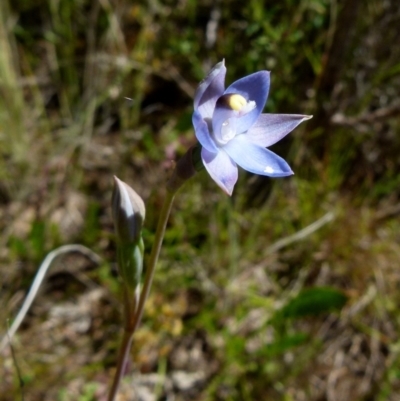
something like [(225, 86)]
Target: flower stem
[(155, 252), (122, 359), (133, 317)]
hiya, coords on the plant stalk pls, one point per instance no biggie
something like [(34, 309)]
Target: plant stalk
[(134, 315)]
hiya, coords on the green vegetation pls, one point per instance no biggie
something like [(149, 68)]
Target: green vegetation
[(313, 319)]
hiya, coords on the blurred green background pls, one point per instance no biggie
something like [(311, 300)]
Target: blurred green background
[(245, 305)]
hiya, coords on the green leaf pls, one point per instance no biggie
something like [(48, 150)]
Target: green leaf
[(313, 302), (284, 344)]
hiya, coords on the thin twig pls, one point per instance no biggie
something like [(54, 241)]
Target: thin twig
[(302, 234), (367, 118), (276, 246), (37, 282)]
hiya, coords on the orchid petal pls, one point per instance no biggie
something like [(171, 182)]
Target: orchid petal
[(256, 159), (255, 88), (221, 168), (224, 121), (209, 90), (202, 133), (271, 128)]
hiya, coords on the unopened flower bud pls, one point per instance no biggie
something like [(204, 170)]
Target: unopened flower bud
[(128, 212)]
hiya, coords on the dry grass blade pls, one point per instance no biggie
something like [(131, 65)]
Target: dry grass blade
[(302, 234), (37, 282)]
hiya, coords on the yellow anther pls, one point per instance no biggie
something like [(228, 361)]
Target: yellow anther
[(236, 102)]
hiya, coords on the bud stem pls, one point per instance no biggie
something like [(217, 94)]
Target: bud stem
[(133, 317)]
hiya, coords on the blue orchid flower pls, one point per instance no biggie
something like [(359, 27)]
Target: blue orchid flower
[(232, 131)]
